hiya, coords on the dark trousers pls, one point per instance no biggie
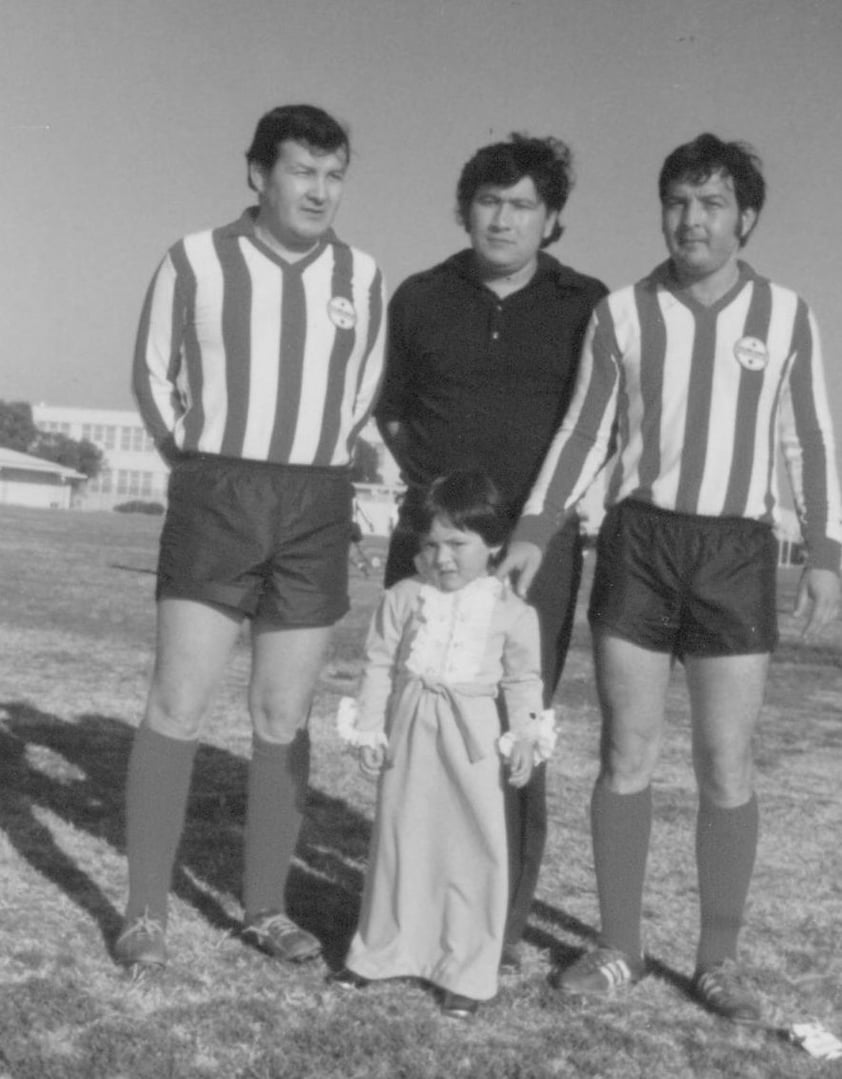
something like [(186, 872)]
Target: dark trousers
[(553, 595)]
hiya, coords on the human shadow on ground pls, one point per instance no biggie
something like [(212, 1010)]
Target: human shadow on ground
[(77, 771)]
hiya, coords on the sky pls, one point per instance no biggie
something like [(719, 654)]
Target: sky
[(124, 124)]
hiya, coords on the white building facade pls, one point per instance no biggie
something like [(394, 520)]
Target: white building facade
[(133, 471)]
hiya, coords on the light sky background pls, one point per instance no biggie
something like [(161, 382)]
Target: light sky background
[(124, 124)]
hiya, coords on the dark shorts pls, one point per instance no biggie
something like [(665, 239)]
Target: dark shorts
[(270, 541), (687, 585)]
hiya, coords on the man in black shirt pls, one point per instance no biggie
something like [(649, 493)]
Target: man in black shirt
[(482, 357)]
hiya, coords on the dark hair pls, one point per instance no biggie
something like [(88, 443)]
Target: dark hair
[(301, 123), (470, 502), (548, 162), (698, 160)]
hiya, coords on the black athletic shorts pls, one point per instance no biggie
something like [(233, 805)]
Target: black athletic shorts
[(268, 540), (684, 584)]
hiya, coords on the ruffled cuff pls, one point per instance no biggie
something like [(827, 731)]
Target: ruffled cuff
[(541, 731), (346, 727)]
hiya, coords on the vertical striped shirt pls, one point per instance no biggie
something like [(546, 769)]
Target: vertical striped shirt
[(242, 354), (697, 402)]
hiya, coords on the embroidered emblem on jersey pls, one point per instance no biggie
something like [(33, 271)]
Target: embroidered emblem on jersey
[(341, 313), (751, 353)]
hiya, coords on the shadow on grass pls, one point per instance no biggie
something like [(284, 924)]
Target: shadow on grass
[(77, 772)]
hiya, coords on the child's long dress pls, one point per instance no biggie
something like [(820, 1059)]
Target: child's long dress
[(436, 891)]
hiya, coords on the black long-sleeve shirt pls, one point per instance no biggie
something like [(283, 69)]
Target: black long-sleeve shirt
[(479, 381)]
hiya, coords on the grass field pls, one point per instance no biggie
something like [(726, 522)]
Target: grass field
[(76, 630)]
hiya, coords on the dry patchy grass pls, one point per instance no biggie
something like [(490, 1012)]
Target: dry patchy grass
[(76, 625)]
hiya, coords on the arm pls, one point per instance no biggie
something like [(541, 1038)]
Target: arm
[(362, 723), (808, 447), (577, 453), (522, 690), (397, 382), (371, 372), (157, 359)]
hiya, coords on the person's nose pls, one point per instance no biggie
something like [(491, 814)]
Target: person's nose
[(691, 213), (318, 189), (442, 558), (502, 218)]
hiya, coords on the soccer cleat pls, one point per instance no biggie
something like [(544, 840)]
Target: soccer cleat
[(279, 937), (718, 988), (455, 1006), (348, 979), (601, 971), (141, 943)]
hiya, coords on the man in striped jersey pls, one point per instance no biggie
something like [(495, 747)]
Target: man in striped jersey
[(258, 356), (698, 375)]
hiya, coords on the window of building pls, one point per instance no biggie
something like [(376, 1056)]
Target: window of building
[(126, 438), (122, 482), (86, 432), (110, 437), (138, 438)]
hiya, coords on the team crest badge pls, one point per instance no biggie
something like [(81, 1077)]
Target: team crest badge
[(341, 313), (751, 353)]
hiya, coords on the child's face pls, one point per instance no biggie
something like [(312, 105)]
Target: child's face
[(454, 557)]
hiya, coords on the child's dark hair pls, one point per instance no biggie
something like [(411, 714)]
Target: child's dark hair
[(470, 502)]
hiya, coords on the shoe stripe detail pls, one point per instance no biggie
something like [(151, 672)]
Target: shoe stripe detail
[(617, 972)]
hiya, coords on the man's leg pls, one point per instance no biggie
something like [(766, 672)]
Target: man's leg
[(193, 643), (726, 695), (632, 684), (553, 595), (400, 559), (286, 667)]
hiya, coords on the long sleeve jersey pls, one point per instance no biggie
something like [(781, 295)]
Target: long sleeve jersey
[(244, 355), (697, 402)]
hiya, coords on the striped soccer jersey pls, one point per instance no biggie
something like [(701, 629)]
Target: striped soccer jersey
[(242, 354), (696, 401)]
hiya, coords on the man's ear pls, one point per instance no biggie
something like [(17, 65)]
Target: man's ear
[(748, 219), (257, 177)]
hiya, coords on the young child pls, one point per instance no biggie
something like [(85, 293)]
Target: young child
[(441, 647)]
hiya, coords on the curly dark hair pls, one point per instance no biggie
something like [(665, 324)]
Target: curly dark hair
[(707, 154), (548, 162)]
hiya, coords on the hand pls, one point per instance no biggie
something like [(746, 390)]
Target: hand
[(372, 759), (817, 600), (520, 764), (521, 562)]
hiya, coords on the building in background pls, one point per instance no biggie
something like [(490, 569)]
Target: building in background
[(31, 481), (133, 471)]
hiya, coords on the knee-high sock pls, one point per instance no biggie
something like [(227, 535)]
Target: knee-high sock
[(156, 801), (726, 844), (620, 827), (277, 788)]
